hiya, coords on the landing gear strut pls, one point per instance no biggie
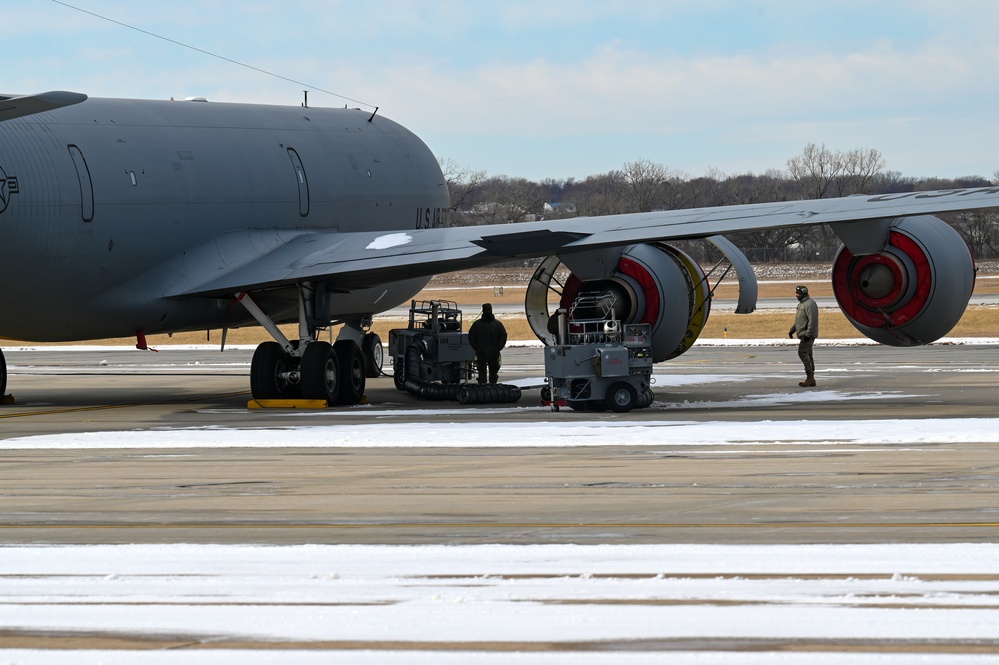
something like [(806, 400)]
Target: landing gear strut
[(308, 368)]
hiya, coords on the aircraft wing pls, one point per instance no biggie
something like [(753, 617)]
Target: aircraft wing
[(363, 259), (16, 106)]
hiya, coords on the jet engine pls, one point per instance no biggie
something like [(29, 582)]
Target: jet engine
[(911, 292), (648, 283)]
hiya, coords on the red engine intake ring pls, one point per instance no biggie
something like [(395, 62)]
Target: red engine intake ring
[(569, 292), (636, 271), (640, 274), (902, 256)]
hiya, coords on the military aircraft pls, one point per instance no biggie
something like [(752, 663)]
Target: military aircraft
[(131, 217)]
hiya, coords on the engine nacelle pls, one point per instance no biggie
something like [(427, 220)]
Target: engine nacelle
[(914, 290), (655, 284)]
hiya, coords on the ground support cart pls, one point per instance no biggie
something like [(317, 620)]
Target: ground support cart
[(600, 364), (432, 358)]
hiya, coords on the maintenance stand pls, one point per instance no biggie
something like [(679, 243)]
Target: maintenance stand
[(597, 364)]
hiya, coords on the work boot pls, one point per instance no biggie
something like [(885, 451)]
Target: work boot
[(809, 381)]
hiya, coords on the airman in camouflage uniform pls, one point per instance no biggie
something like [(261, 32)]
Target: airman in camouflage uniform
[(806, 325)]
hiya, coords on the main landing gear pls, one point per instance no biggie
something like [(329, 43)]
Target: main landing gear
[(308, 368)]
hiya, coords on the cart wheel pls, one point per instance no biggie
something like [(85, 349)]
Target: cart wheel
[(648, 397), (622, 397), (399, 372)]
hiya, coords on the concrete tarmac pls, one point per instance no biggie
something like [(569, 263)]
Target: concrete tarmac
[(777, 493)]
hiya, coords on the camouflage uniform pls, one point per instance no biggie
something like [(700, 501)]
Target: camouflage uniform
[(806, 325)]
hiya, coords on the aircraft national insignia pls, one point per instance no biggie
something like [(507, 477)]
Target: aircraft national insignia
[(8, 186)]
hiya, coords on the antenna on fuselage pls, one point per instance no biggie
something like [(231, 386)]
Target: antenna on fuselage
[(305, 104), (208, 53), (373, 114)]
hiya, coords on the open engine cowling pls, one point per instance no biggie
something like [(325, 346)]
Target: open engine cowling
[(650, 283), (914, 290)]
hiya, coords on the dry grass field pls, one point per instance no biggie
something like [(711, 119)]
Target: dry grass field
[(506, 286)]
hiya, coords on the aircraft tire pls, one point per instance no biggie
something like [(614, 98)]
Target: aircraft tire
[(374, 355), (321, 376), (3, 375), (269, 362), (622, 397), (352, 372)]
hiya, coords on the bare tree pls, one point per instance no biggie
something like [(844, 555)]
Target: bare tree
[(980, 229), (645, 180), (821, 172), (859, 170), (654, 187), (815, 170), (605, 194), (524, 200), (462, 182), (500, 200), (749, 188), (893, 182)]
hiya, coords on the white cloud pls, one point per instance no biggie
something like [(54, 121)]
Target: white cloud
[(480, 82)]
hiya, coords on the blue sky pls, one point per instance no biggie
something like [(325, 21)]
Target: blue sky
[(563, 88)]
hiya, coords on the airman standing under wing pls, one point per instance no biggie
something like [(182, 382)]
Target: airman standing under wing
[(806, 325)]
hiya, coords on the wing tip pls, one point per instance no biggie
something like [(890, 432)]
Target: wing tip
[(18, 106)]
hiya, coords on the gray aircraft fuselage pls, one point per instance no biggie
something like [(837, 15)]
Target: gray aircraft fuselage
[(107, 206)]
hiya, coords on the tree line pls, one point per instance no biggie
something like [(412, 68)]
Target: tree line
[(645, 186)]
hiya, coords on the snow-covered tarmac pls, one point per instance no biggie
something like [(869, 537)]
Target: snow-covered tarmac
[(888, 603), (493, 604), (752, 604)]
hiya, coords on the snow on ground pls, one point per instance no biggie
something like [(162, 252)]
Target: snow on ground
[(601, 603), (551, 604), (674, 433), (573, 603)]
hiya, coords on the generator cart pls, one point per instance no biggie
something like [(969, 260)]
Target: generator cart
[(597, 363), (433, 359), (432, 356)]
